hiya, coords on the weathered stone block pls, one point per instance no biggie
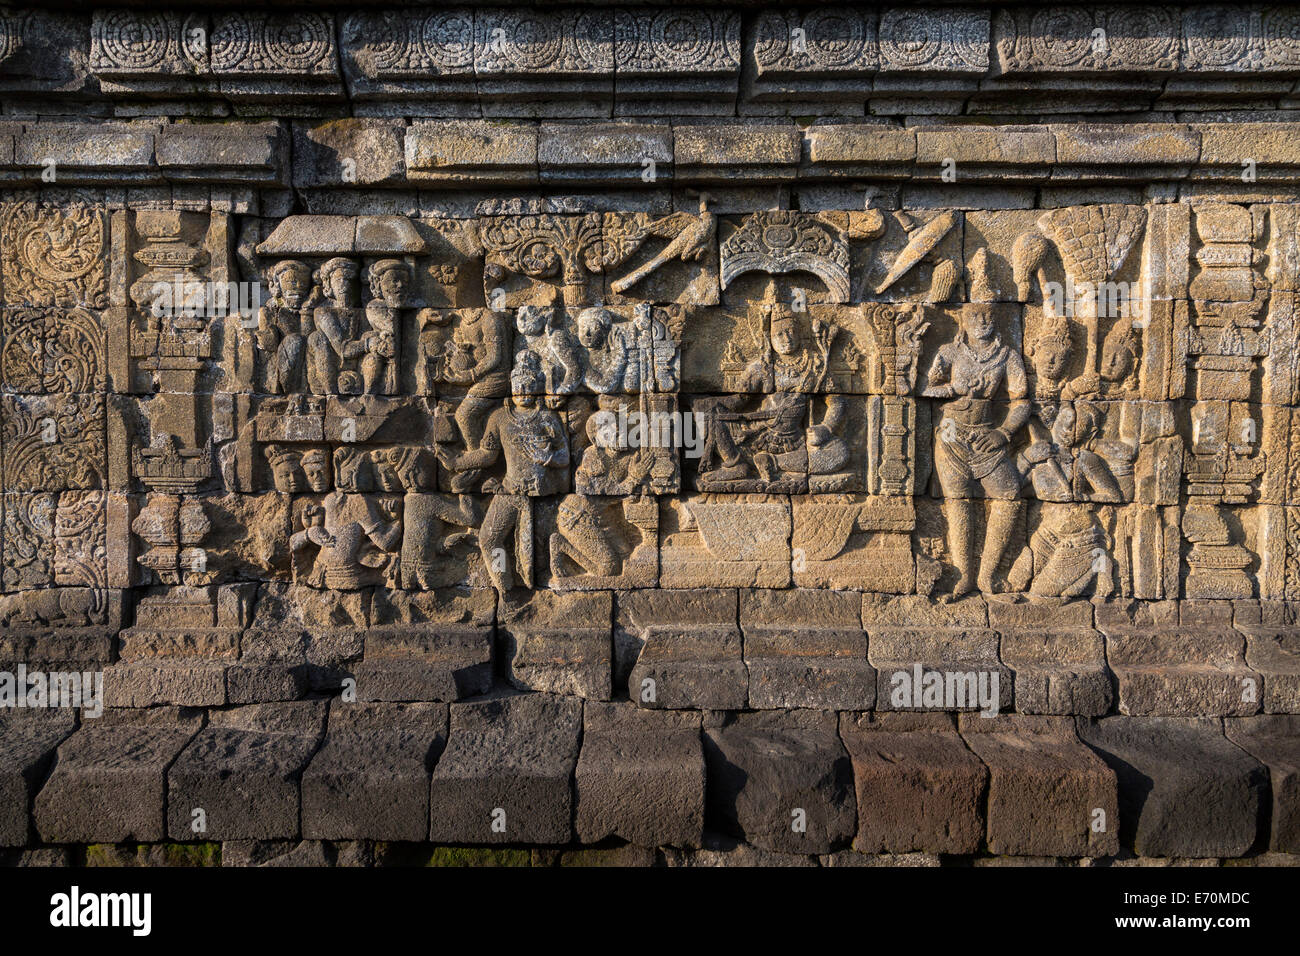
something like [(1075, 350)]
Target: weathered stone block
[(722, 153), (1275, 655), (28, 739), (805, 648), (462, 152), (429, 661), (82, 151), (1045, 788), (1183, 673), (1274, 741), (370, 778), (559, 643), (1184, 789), (640, 777), (636, 610), (188, 682), (1058, 672), (939, 669), (820, 668), (243, 772), (349, 152), (1140, 144), (855, 150), (238, 153), (257, 682), (605, 153), (506, 775), (918, 786), (996, 145), (780, 780), (695, 668), (109, 780)]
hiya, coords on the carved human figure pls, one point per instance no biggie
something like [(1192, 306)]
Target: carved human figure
[(606, 465), (1066, 554), (285, 472), (606, 359), (658, 364), (1120, 354), (361, 534), (1047, 463), (353, 469), (341, 342), (431, 524), (1103, 464), (776, 438), (283, 324), (305, 544), (478, 357), (431, 348), (317, 471), (627, 357), (538, 332), (390, 283), (532, 439), (972, 456), (1049, 349)]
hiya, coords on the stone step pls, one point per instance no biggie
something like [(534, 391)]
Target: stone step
[(507, 773), (640, 777), (546, 770), (27, 742), (370, 778), (109, 782), (241, 775), (919, 787), (782, 780), (1185, 790), (1049, 795)]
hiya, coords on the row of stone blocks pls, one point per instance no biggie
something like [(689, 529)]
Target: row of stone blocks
[(537, 769), (705, 656)]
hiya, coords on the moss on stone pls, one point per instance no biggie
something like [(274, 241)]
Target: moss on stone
[(478, 856)]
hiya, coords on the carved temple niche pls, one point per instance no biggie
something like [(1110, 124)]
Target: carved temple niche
[(342, 295)]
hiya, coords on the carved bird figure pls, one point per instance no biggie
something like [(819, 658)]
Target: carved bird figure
[(691, 238)]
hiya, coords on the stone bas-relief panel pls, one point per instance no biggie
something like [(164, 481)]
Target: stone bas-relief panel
[(591, 413), (1083, 403)]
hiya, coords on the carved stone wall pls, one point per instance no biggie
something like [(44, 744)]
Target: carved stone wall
[(651, 362)]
